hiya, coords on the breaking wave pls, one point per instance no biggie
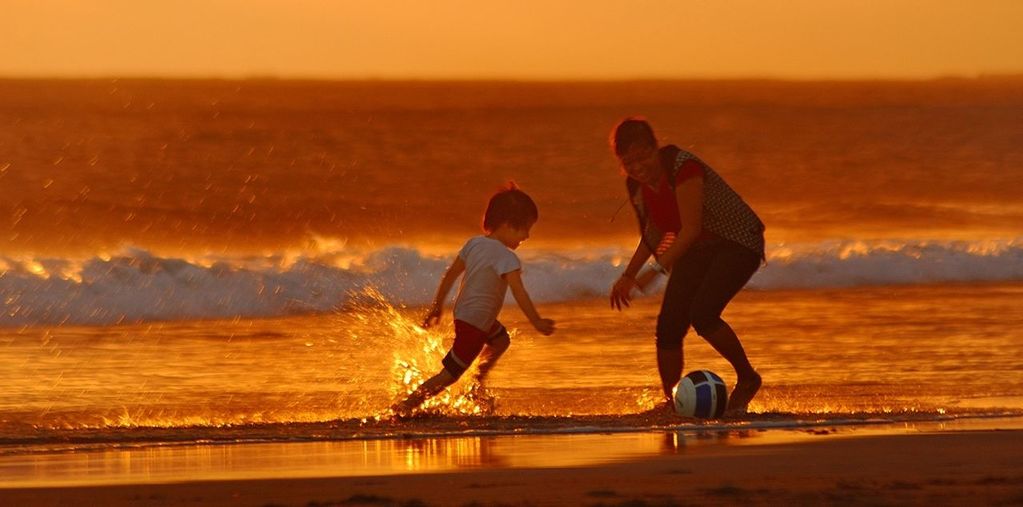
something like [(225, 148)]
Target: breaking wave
[(137, 285)]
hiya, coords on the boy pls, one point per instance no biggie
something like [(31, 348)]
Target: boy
[(490, 267)]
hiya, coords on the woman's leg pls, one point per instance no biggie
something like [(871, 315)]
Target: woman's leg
[(726, 342), (687, 275), (669, 366), (727, 274)]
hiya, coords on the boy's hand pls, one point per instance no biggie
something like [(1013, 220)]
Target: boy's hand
[(433, 316), (544, 326)]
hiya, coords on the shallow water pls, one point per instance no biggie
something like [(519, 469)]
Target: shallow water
[(935, 349), (207, 260)]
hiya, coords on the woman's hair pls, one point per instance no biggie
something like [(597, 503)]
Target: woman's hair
[(510, 206), (630, 131)]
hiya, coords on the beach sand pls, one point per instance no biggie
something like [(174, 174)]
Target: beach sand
[(941, 468)]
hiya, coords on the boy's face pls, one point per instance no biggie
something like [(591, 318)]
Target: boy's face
[(514, 236)]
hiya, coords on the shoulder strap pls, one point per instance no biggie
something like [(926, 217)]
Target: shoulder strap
[(668, 156)]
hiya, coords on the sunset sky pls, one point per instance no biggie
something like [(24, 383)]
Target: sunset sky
[(520, 39)]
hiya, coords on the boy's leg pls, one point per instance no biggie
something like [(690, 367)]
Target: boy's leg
[(432, 386), (468, 343), (491, 353)]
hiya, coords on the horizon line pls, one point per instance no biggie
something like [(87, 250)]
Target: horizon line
[(507, 79)]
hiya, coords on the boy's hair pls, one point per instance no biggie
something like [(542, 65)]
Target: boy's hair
[(510, 206), (630, 131)]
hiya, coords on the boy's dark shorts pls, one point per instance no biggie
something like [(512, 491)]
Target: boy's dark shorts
[(469, 342)]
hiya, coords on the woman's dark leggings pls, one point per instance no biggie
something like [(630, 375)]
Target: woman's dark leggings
[(701, 284)]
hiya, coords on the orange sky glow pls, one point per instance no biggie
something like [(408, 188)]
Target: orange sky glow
[(516, 39)]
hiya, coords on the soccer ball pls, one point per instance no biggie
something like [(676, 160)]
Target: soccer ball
[(702, 394)]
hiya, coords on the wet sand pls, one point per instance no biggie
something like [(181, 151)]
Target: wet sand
[(945, 468)]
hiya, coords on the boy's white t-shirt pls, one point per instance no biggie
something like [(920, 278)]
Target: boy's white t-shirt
[(482, 292)]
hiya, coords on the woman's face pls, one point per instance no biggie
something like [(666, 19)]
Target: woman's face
[(641, 163)]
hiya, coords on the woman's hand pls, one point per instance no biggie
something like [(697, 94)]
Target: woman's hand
[(433, 316), (621, 292)]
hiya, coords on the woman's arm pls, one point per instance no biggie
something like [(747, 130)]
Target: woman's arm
[(456, 269), (621, 292), (638, 259), (689, 194)]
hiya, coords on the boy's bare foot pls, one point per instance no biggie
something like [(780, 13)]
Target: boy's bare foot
[(744, 391), (483, 398), (403, 409)]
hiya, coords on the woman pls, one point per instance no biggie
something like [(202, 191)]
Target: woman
[(703, 236)]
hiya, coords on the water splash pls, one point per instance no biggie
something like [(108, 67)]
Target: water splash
[(417, 355)]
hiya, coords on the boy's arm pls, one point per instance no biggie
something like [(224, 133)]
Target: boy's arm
[(514, 278), (446, 282)]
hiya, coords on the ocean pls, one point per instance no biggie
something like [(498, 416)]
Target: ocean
[(226, 260)]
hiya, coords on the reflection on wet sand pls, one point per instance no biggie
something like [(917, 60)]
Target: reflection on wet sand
[(679, 442), (350, 458), (156, 464)]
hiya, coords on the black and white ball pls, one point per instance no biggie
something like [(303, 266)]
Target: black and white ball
[(702, 394)]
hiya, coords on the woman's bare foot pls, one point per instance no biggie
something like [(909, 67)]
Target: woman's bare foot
[(744, 391)]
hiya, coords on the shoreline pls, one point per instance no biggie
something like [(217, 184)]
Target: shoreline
[(430, 426), (943, 467)]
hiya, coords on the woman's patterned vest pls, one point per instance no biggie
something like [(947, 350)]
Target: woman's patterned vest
[(724, 212)]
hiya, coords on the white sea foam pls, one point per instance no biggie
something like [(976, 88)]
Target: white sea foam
[(136, 285)]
